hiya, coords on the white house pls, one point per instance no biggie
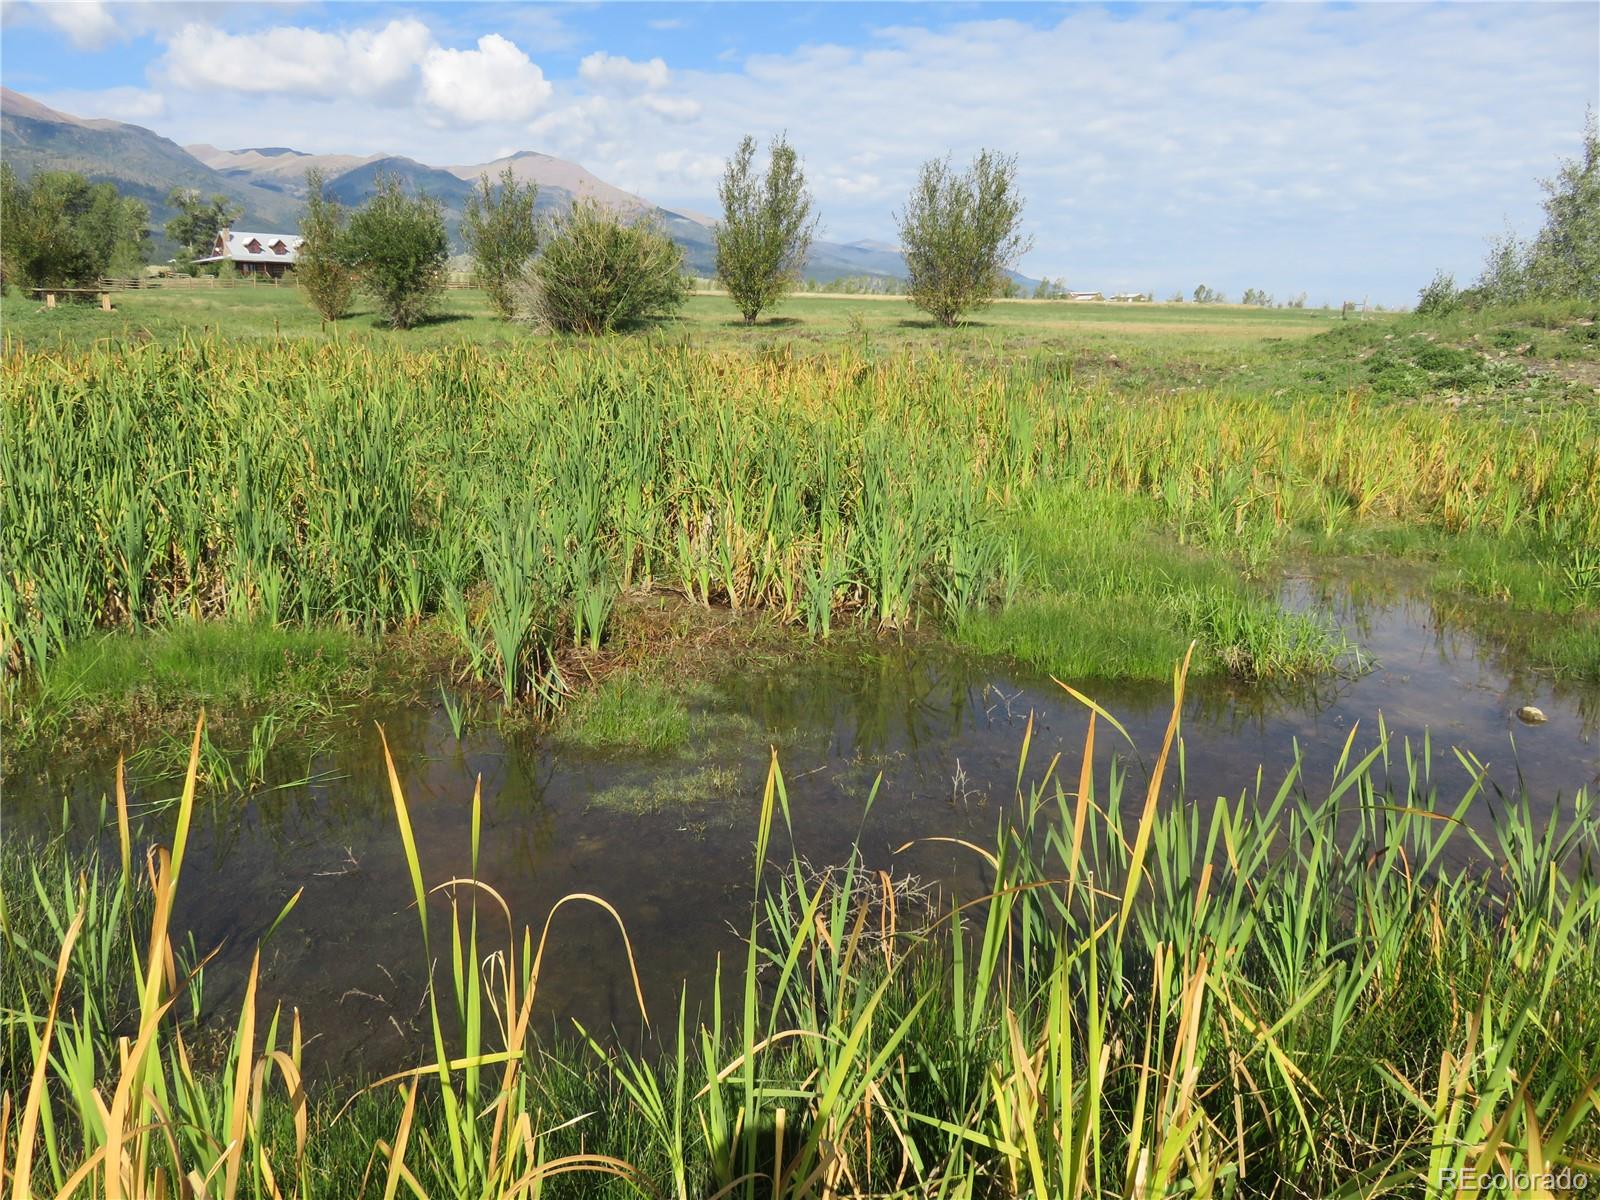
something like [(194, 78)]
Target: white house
[(255, 253)]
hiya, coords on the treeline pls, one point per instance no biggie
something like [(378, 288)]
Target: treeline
[(59, 230), (1253, 297), (1560, 262), (590, 269)]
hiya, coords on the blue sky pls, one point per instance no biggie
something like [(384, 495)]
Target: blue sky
[(1343, 150)]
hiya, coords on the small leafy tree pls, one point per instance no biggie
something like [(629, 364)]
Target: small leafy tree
[(960, 234), (1564, 260), (766, 228), (398, 245), (194, 228), (501, 236), (1439, 297), (598, 272), (321, 268), (60, 230)]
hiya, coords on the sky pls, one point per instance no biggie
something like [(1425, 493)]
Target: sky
[(1341, 150)]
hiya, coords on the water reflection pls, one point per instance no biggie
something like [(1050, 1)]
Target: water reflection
[(668, 840)]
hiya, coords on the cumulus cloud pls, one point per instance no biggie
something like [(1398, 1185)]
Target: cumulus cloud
[(374, 63), (88, 24), (613, 70), (495, 82)]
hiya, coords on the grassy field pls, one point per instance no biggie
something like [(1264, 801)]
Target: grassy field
[(244, 311)]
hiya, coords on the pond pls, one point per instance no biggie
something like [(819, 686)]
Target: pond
[(668, 839)]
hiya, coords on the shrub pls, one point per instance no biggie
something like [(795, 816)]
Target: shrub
[(766, 227), (598, 272), (398, 245), (502, 238), (324, 275), (1439, 297), (960, 233)]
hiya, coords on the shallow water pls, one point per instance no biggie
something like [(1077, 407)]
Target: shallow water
[(668, 839)]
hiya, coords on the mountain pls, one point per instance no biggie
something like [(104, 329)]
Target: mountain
[(555, 174), (268, 182), (141, 163), (274, 167)]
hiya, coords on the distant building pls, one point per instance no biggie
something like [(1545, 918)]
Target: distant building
[(254, 253), (1129, 298), (1084, 296)]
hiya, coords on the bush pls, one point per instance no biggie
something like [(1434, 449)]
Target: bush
[(398, 245), (324, 275), (501, 237), (599, 272), (961, 233), (1441, 296)]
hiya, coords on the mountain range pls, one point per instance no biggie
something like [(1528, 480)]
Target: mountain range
[(268, 182)]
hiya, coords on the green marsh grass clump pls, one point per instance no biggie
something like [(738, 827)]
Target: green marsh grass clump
[(1106, 595), (245, 667), (1341, 987), (627, 711)]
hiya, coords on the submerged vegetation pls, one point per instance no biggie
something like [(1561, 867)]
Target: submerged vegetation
[(1302, 983)]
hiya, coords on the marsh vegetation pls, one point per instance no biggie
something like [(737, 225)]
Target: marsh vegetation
[(1116, 984)]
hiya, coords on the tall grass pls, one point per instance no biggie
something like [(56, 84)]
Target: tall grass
[(1338, 987), (517, 490)]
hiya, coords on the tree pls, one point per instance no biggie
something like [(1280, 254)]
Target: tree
[(766, 228), (960, 233), (321, 267), (1440, 296), (198, 220), (1564, 260), (598, 272), (398, 246), (501, 236), (60, 230)]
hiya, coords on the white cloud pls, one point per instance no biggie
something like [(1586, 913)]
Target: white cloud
[(88, 24), (133, 105), (1318, 146), (495, 82), (678, 109), (373, 63), (616, 71), (696, 170)]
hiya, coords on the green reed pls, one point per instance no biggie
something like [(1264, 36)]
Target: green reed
[(519, 490)]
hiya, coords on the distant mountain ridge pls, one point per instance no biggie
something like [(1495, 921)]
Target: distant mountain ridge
[(268, 182)]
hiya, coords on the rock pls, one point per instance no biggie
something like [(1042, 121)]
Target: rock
[(1529, 715)]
